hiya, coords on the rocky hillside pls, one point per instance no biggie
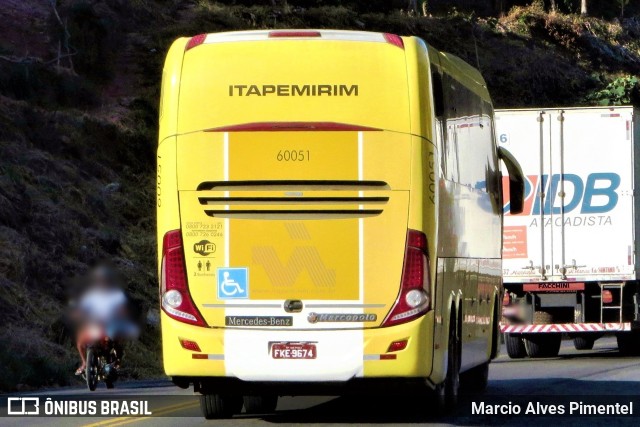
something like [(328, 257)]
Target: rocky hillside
[(78, 94)]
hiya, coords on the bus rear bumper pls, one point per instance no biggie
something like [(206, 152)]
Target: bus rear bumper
[(343, 356)]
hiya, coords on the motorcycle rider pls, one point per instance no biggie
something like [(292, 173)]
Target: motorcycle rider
[(102, 306)]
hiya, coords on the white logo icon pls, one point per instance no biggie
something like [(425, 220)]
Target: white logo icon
[(233, 283), (230, 283), (21, 409)]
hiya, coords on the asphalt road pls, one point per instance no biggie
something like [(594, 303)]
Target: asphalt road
[(598, 372)]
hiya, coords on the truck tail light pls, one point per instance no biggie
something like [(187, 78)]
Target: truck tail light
[(607, 297), (174, 289), (414, 298), (506, 299)]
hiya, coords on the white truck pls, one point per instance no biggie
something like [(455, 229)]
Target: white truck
[(570, 264)]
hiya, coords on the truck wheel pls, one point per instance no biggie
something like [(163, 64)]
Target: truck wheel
[(583, 343), (515, 346), (260, 404), (476, 379), (628, 343), (543, 345), (216, 406)]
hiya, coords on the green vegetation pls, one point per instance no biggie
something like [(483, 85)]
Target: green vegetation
[(621, 91), (78, 107)]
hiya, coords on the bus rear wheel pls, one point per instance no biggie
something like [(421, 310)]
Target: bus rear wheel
[(448, 391), (263, 404), (628, 343), (515, 346), (476, 379), (543, 345), (216, 406)]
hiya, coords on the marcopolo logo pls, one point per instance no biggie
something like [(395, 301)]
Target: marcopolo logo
[(595, 195), (342, 317), (204, 247)]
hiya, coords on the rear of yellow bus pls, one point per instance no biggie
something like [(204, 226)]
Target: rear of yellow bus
[(293, 244)]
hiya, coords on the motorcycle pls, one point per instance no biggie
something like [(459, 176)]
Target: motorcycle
[(102, 360)]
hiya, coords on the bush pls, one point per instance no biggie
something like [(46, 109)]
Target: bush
[(621, 91), (45, 86), (40, 362)]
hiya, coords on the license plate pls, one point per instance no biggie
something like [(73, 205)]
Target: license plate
[(293, 350)]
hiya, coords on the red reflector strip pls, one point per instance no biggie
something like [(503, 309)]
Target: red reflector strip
[(376, 357), (295, 34), (195, 41), (394, 40), (553, 287), (207, 356), (610, 115), (293, 127), (565, 327)]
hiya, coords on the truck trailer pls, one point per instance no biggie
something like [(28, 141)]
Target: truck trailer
[(570, 266)]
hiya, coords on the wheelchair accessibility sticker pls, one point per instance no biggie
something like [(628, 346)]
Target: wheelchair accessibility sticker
[(233, 283)]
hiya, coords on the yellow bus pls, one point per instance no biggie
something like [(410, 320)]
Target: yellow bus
[(329, 217)]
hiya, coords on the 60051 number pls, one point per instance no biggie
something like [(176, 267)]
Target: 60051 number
[(293, 156)]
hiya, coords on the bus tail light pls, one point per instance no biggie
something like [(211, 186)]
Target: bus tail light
[(294, 127), (394, 40), (195, 41), (294, 33), (174, 290), (414, 298)]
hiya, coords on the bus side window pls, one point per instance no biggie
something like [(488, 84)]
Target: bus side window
[(438, 95), (494, 177), (451, 104), (438, 110)]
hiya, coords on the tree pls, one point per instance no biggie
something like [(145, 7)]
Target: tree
[(64, 43), (583, 7), (412, 6), (622, 4)]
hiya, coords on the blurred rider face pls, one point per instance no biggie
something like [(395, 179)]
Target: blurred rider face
[(102, 278)]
